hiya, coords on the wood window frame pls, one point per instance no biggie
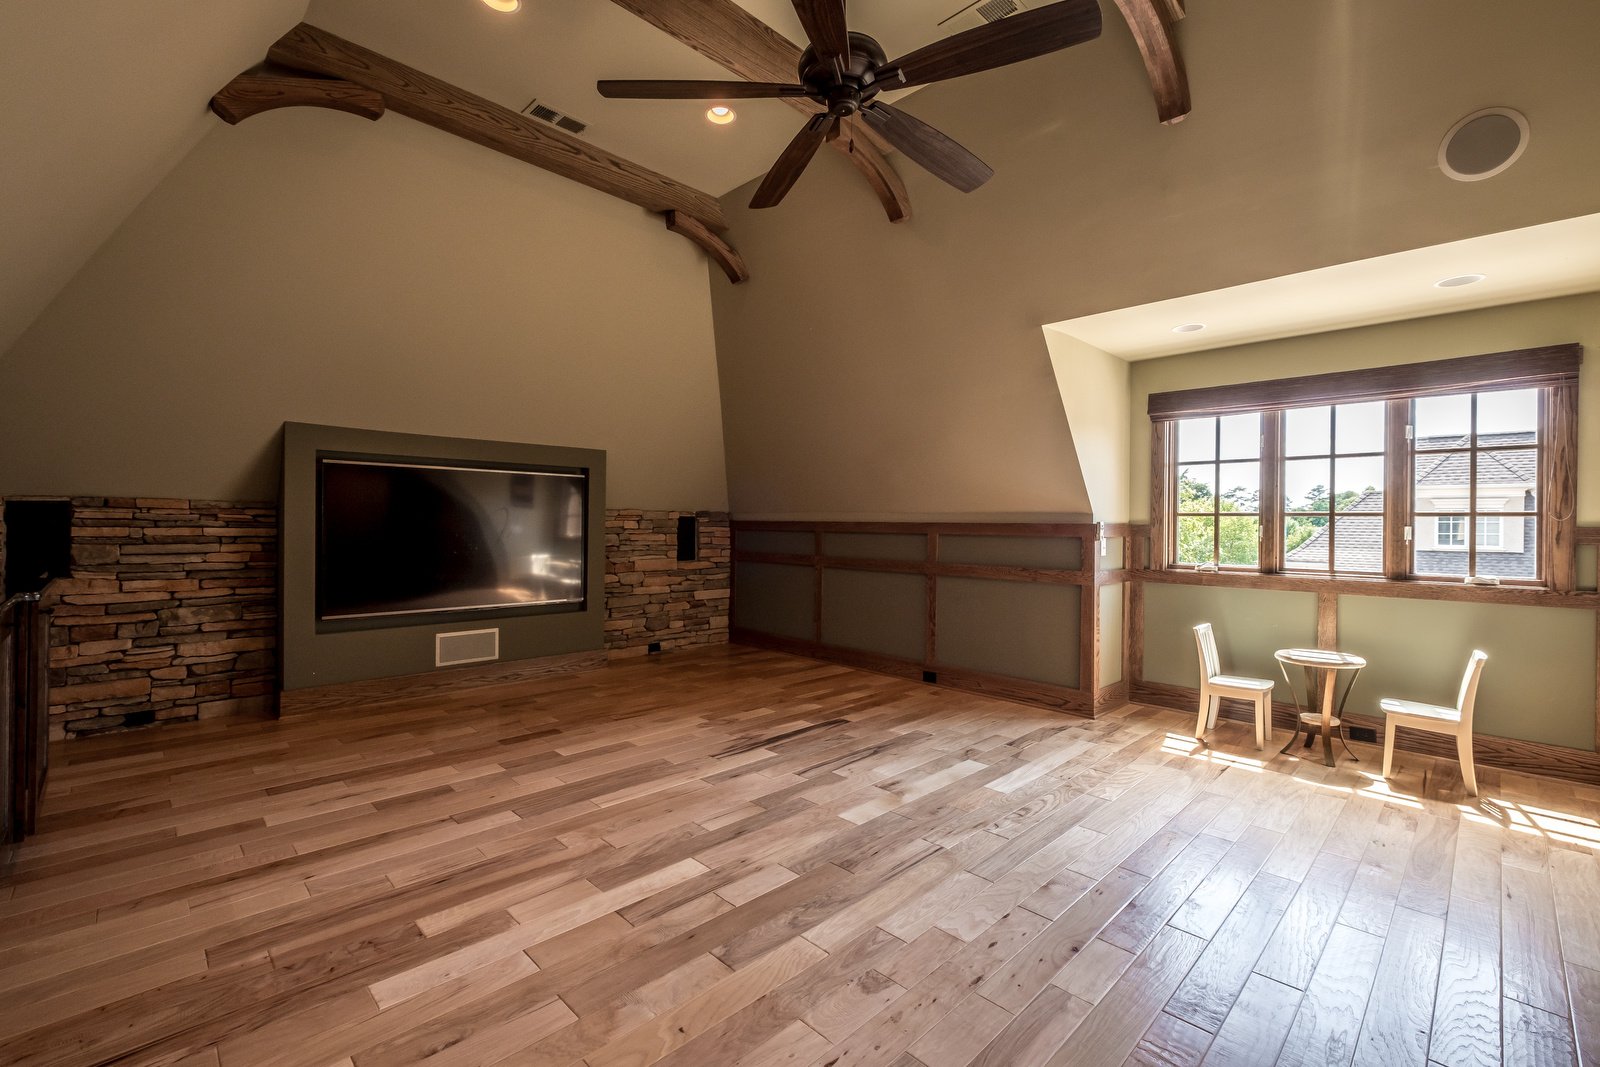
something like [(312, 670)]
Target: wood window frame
[(1551, 369)]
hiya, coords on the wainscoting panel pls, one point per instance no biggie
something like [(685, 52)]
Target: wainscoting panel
[(873, 612), (775, 599), (875, 546), (1002, 608), (1012, 628)]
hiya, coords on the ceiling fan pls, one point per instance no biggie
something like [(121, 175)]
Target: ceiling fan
[(844, 72)]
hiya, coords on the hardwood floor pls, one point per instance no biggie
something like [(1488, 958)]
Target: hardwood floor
[(735, 857)]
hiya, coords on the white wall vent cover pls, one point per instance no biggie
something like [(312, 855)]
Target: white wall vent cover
[(984, 11), (466, 646), (547, 114)]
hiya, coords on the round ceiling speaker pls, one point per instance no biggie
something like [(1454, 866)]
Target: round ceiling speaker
[(1483, 144)]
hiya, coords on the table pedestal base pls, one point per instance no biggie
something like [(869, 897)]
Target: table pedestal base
[(1312, 724)]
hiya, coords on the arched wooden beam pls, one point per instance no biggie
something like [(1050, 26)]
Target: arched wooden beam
[(727, 34), (726, 256), (256, 91), (1151, 23), (862, 151)]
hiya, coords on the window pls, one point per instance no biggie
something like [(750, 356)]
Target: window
[(1476, 456), (1219, 491), (1377, 474), (1333, 488)]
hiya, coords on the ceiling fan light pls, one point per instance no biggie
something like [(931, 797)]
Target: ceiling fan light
[(1458, 281), (1189, 327), (507, 6), (720, 115)]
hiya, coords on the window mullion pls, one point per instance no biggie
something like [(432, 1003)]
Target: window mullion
[(1397, 463), (1271, 504)]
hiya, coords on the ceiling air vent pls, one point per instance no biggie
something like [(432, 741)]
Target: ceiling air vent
[(983, 11), (545, 113)]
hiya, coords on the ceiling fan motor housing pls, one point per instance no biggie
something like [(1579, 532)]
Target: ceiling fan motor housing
[(845, 89)]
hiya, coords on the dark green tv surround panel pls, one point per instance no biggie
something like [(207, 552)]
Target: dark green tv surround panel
[(315, 654)]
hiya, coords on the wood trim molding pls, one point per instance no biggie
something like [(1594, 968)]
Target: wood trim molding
[(1512, 754), (259, 90), (1085, 530), (1560, 488), (437, 103), (1524, 368), (721, 252), (999, 572), (1396, 492), (742, 44), (1587, 535), (1530, 596), (1151, 23)]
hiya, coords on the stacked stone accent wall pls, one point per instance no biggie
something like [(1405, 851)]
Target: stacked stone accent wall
[(171, 614), (653, 597)]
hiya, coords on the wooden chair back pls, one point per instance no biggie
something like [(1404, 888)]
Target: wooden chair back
[(1468, 696), (1206, 644)]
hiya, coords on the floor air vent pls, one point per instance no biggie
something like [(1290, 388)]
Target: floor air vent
[(465, 646), (545, 113)]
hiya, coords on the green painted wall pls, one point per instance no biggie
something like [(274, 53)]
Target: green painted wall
[(774, 599), (1250, 624), (1017, 629), (1537, 686), (884, 613)]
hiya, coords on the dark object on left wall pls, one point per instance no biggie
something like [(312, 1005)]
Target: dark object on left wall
[(38, 544)]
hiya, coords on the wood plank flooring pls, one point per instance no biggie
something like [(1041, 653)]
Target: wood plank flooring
[(735, 857)]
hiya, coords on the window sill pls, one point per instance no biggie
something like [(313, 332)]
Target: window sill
[(1353, 585)]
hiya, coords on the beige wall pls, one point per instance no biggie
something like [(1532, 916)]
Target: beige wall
[(900, 370), (1094, 394), (310, 266), (1543, 322), (102, 100)]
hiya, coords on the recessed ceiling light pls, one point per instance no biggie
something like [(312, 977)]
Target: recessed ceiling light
[(504, 5), (1189, 327), (1458, 280), (720, 116)]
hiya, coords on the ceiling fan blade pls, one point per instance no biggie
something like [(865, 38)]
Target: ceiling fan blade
[(823, 21), (927, 147), (1022, 36), (786, 171), (697, 90)]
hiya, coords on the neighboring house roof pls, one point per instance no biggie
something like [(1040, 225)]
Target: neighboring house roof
[(1360, 541)]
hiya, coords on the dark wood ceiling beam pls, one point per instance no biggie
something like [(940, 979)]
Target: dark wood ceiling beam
[(427, 99), (736, 40), (1151, 22), (721, 252), (260, 90)]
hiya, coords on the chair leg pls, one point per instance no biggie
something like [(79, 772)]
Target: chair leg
[(1388, 747), (1200, 719), (1261, 724), (1469, 773), (1216, 712)]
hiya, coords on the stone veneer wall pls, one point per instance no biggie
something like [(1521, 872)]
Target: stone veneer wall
[(171, 614), (653, 597)]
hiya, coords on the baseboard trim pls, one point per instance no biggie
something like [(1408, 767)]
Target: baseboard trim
[(325, 698), (1507, 753), (1021, 690)]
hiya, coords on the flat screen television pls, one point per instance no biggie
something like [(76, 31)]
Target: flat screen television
[(407, 537)]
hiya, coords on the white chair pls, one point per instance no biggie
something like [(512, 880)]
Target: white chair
[(1214, 685), (1456, 721)]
